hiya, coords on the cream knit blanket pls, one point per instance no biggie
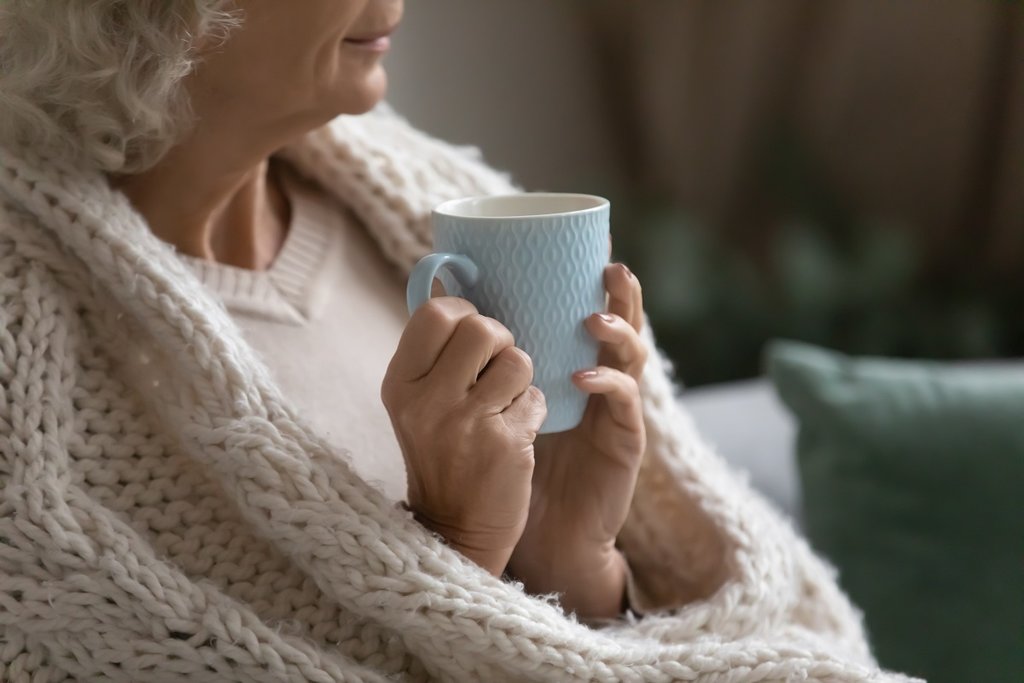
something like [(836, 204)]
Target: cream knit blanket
[(165, 515)]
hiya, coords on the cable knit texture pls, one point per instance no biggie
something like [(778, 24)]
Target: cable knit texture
[(166, 515)]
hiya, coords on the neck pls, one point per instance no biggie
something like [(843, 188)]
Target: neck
[(212, 204)]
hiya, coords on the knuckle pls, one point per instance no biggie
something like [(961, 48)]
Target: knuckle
[(445, 311), (477, 326), (488, 329), (499, 331), (435, 313), (517, 359), (436, 306)]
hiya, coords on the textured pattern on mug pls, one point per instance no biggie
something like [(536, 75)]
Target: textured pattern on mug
[(541, 280)]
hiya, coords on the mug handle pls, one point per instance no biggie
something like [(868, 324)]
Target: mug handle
[(417, 292)]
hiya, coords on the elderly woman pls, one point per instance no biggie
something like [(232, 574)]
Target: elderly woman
[(226, 454)]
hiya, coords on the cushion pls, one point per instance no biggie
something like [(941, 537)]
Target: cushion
[(913, 476)]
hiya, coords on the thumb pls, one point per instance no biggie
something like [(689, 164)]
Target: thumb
[(526, 413)]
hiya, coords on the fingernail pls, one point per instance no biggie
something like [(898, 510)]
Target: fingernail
[(587, 374), (608, 318), (627, 271)]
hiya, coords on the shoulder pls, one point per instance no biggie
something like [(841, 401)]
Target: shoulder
[(14, 261), (39, 284)]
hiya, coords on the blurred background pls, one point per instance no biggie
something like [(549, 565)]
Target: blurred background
[(849, 173)]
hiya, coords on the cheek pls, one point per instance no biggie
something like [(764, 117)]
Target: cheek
[(297, 62), (339, 65), (304, 48)]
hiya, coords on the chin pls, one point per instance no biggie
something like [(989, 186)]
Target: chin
[(361, 98)]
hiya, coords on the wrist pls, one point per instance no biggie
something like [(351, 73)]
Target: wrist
[(594, 586), (492, 562), (471, 546)]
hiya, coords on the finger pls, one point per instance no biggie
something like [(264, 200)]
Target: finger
[(621, 391), (527, 411), (624, 296), (425, 336), (437, 288), (621, 346), (638, 302), (476, 340), (507, 376)]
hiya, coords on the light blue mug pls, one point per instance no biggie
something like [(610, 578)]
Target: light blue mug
[(535, 262)]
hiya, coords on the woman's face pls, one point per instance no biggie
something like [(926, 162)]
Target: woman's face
[(297, 64)]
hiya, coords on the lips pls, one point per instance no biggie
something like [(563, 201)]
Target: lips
[(371, 37), (376, 44)]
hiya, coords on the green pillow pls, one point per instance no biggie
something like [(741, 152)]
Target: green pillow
[(913, 481)]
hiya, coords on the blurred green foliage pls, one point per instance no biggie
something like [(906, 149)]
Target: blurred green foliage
[(824, 274)]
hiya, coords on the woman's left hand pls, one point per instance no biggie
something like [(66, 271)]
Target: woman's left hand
[(584, 478)]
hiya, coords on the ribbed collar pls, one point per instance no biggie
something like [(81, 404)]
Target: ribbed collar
[(284, 291)]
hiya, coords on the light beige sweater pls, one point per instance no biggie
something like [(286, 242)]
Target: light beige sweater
[(166, 515), (325, 318)]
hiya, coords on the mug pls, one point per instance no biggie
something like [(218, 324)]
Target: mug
[(535, 262)]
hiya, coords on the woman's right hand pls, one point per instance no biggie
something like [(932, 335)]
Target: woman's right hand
[(459, 397)]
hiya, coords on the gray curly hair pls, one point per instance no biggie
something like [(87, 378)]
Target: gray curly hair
[(98, 83)]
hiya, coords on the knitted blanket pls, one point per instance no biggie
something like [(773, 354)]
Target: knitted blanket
[(166, 515)]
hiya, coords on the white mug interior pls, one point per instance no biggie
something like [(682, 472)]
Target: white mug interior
[(522, 205)]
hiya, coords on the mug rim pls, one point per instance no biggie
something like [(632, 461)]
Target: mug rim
[(449, 208)]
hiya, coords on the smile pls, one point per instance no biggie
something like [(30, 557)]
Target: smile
[(375, 42)]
